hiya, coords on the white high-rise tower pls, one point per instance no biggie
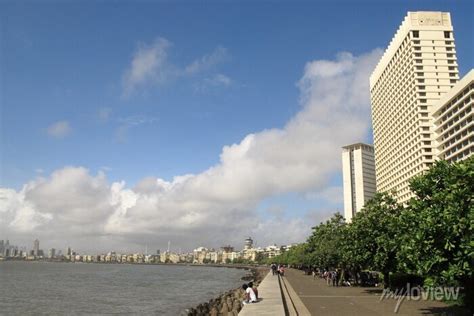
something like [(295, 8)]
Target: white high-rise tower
[(358, 172), (417, 69)]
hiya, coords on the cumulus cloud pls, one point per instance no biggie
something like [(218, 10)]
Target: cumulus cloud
[(216, 206), (150, 65), (59, 129)]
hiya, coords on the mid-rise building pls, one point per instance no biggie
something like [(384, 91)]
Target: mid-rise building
[(358, 172), (454, 121), (52, 253), (417, 69), (36, 244)]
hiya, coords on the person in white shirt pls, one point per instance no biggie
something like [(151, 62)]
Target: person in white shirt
[(250, 296)]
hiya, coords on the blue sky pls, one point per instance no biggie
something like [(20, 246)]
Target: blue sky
[(64, 66)]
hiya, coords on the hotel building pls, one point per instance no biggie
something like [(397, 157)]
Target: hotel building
[(358, 173), (417, 69), (454, 121)]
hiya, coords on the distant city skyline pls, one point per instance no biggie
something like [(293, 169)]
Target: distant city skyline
[(124, 126)]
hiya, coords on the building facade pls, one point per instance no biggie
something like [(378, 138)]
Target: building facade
[(417, 69), (358, 172), (36, 248), (454, 121)]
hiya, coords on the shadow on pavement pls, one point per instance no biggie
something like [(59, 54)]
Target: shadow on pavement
[(446, 311)]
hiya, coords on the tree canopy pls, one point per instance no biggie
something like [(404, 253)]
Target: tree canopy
[(431, 236)]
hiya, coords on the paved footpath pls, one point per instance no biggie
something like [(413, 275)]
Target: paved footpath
[(270, 301), (321, 299)]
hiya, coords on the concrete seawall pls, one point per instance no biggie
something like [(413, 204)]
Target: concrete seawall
[(276, 298)]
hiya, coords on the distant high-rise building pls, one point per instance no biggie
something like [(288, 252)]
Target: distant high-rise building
[(6, 248), (52, 253), (417, 69), (454, 121), (2, 247), (69, 251), (248, 243), (36, 244), (358, 171)]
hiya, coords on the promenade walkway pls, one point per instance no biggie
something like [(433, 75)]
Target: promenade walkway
[(321, 299), (270, 299)]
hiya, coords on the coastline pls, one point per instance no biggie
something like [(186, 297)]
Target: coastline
[(229, 302), (225, 303)]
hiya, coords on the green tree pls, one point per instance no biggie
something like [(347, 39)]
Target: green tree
[(324, 245), (439, 226), (375, 235)]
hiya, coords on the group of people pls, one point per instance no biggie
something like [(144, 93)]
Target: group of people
[(332, 277), (251, 293), (278, 269)]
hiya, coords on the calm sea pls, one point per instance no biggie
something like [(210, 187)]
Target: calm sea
[(33, 288)]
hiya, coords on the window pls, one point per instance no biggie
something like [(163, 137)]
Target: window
[(416, 34), (446, 34)]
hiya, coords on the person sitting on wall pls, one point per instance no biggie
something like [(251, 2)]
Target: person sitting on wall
[(249, 294), (254, 288)]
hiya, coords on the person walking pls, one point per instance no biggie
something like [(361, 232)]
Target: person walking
[(282, 270), (274, 268)]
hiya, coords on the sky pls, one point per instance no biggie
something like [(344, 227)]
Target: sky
[(126, 124)]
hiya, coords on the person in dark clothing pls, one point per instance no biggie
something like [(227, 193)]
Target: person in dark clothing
[(274, 268)]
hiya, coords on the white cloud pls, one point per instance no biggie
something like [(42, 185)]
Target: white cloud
[(59, 129), (217, 205), (217, 80), (150, 66), (206, 62), (149, 63)]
